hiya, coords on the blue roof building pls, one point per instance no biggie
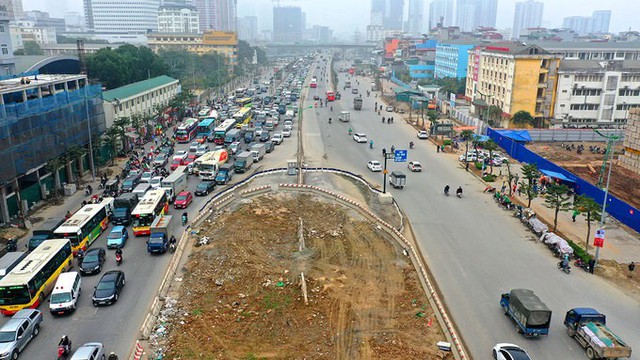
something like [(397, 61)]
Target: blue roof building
[(452, 60)]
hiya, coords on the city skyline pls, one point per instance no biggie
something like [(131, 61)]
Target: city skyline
[(344, 19)]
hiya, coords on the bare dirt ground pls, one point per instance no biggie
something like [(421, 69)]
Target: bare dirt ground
[(241, 298)]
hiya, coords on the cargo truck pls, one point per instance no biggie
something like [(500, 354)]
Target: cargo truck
[(225, 173), (123, 206), (357, 103), (159, 239), (531, 315), (258, 151), (243, 162), (344, 116), (589, 327), (175, 183), (44, 232)]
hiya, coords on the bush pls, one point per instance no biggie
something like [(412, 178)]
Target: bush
[(447, 142), (479, 165), (490, 178), (579, 252)]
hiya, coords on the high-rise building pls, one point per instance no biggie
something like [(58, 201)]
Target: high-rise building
[(42, 18), (377, 12), (217, 15), (111, 16), (287, 24), (178, 18), (394, 13), (74, 21), (486, 13), (601, 19), (248, 28), (598, 23), (13, 8), (416, 23), (7, 61), (471, 14), (528, 14), (440, 12)]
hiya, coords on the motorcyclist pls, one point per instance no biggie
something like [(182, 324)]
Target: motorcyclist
[(332, 108), (565, 261), (119, 254), (185, 218), (459, 191), (112, 356), (350, 131), (393, 149), (446, 190), (65, 342), (410, 144), (329, 120), (370, 144)]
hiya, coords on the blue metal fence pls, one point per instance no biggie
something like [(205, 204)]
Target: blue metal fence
[(617, 208)]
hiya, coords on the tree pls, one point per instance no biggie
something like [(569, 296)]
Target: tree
[(530, 174), (110, 138), (32, 48), (490, 146), (75, 153), (432, 115), (510, 177), (522, 118), (121, 125), (557, 199), (590, 209), (53, 166), (124, 65), (466, 135), (494, 113)]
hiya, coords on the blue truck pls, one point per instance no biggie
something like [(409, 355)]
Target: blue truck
[(531, 315), (159, 239), (589, 327)]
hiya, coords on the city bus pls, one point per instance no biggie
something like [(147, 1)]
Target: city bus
[(221, 131), (314, 82), (187, 130), (243, 116), (33, 278), (153, 204), (85, 226), (244, 102), (240, 92), (205, 128), (331, 96)]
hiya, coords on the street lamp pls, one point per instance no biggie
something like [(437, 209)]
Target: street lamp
[(387, 156)]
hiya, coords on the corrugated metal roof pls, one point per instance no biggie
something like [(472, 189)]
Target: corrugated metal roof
[(130, 90)]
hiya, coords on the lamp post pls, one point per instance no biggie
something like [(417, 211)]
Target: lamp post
[(387, 156)]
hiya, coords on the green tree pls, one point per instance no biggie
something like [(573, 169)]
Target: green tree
[(110, 138), (510, 176), (466, 135), (75, 153), (53, 166), (522, 118), (490, 146), (433, 117), (590, 209), (530, 175), (124, 65), (494, 113), (32, 48), (557, 199), (121, 124)]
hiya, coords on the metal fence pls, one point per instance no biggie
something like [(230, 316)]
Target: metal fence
[(568, 135)]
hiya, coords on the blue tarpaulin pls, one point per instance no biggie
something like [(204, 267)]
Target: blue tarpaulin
[(480, 138), (516, 135), (557, 175)]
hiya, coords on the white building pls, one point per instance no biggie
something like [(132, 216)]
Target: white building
[(375, 33), (528, 14), (74, 21), (598, 23), (601, 20), (592, 92), (178, 18), (107, 16), (440, 11), (25, 30), (7, 61)]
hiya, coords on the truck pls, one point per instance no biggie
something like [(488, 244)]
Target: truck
[(258, 151), (123, 206), (225, 173), (531, 315), (158, 241), (357, 103), (232, 135), (347, 84), (344, 116), (243, 162), (44, 232), (209, 167), (175, 183), (589, 327)]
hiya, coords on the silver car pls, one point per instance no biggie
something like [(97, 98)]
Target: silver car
[(89, 351), (18, 331)]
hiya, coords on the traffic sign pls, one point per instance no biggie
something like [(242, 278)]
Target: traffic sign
[(598, 239), (400, 156)]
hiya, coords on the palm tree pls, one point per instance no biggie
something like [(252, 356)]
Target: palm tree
[(54, 166), (466, 135), (110, 138), (75, 153), (433, 118), (491, 146)]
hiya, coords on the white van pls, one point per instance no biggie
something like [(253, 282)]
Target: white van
[(64, 296), (141, 189)]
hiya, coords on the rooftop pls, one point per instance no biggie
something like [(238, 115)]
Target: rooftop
[(16, 84), (598, 65), (130, 90), (588, 45)]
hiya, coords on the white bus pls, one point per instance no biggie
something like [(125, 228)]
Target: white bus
[(220, 132), (85, 226), (154, 203)]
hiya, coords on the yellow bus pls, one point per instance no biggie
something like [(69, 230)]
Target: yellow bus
[(154, 203), (85, 226), (33, 278), (244, 102), (243, 116)]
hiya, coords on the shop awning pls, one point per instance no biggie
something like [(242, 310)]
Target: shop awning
[(557, 175)]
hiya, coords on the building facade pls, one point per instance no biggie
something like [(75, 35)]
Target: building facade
[(42, 18), (113, 16), (218, 15), (601, 20), (440, 13), (528, 14), (598, 23), (40, 118), (7, 60), (597, 93), (375, 33), (248, 28), (24, 30), (584, 50), (631, 158), (178, 18), (139, 98), (415, 21), (288, 24), (471, 14), (514, 78), (13, 9), (221, 42), (394, 15), (452, 60)]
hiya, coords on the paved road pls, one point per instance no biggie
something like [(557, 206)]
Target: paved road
[(118, 326), (475, 250)]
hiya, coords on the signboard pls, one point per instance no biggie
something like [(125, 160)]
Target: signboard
[(476, 63), (598, 238), (400, 156)]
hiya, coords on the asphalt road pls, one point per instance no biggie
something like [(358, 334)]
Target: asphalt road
[(117, 326), (475, 250)]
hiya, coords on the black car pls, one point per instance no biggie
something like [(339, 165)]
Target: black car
[(108, 288), (205, 187), (131, 182), (269, 146), (265, 136), (92, 261), (121, 216)]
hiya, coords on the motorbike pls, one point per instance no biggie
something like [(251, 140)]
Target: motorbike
[(581, 264), (566, 269), (184, 220), (64, 351), (172, 247), (446, 193), (12, 245), (118, 259), (411, 145)]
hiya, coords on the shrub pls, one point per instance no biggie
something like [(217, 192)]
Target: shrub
[(447, 142), (490, 178), (479, 165), (579, 252)]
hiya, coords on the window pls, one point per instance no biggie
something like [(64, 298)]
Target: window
[(5, 51), (584, 106), (629, 92)]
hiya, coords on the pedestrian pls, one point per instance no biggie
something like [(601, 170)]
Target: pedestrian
[(503, 188), (574, 214), (592, 265), (383, 119), (66, 217), (632, 266), (437, 148), (513, 189), (520, 190)]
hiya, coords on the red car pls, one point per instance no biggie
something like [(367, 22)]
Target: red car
[(190, 159), (183, 200), (175, 162)]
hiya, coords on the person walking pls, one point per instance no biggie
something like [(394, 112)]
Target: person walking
[(574, 214), (592, 265)]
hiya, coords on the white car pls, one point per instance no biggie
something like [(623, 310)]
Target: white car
[(423, 134), (202, 149), (389, 108), (182, 154), (286, 132), (288, 124), (234, 146), (146, 176), (156, 181), (277, 138), (194, 146), (415, 166), (374, 165), (360, 138), (470, 157), (509, 352), (89, 351)]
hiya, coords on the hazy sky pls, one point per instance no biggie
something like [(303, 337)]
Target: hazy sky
[(344, 16)]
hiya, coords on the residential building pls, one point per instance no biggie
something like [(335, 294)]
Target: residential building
[(597, 93), (248, 28), (487, 13), (72, 49), (178, 18), (288, 24), (598, 23), (25, 30), (377, 13), (217, 15), (528, 14), (54, 112), (394, 13), (7, 60), (375, 33), (440, 13), (452, 59), (140, 98), (42, 19), (514, 78), (318, 34), (221, 42), (74, 21), (415, 22), (471, 14), (13, 8), (630, 160), (113, 16), (601, 20), (597, 50)]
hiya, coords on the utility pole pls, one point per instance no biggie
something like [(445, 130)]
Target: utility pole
[(387, 155), (611, 140)]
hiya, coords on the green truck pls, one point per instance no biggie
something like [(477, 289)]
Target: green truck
[(589, 327)]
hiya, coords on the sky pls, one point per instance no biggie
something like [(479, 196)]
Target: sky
[(345, 16)]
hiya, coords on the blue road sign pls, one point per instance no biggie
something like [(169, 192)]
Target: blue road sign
[(400, 156)]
